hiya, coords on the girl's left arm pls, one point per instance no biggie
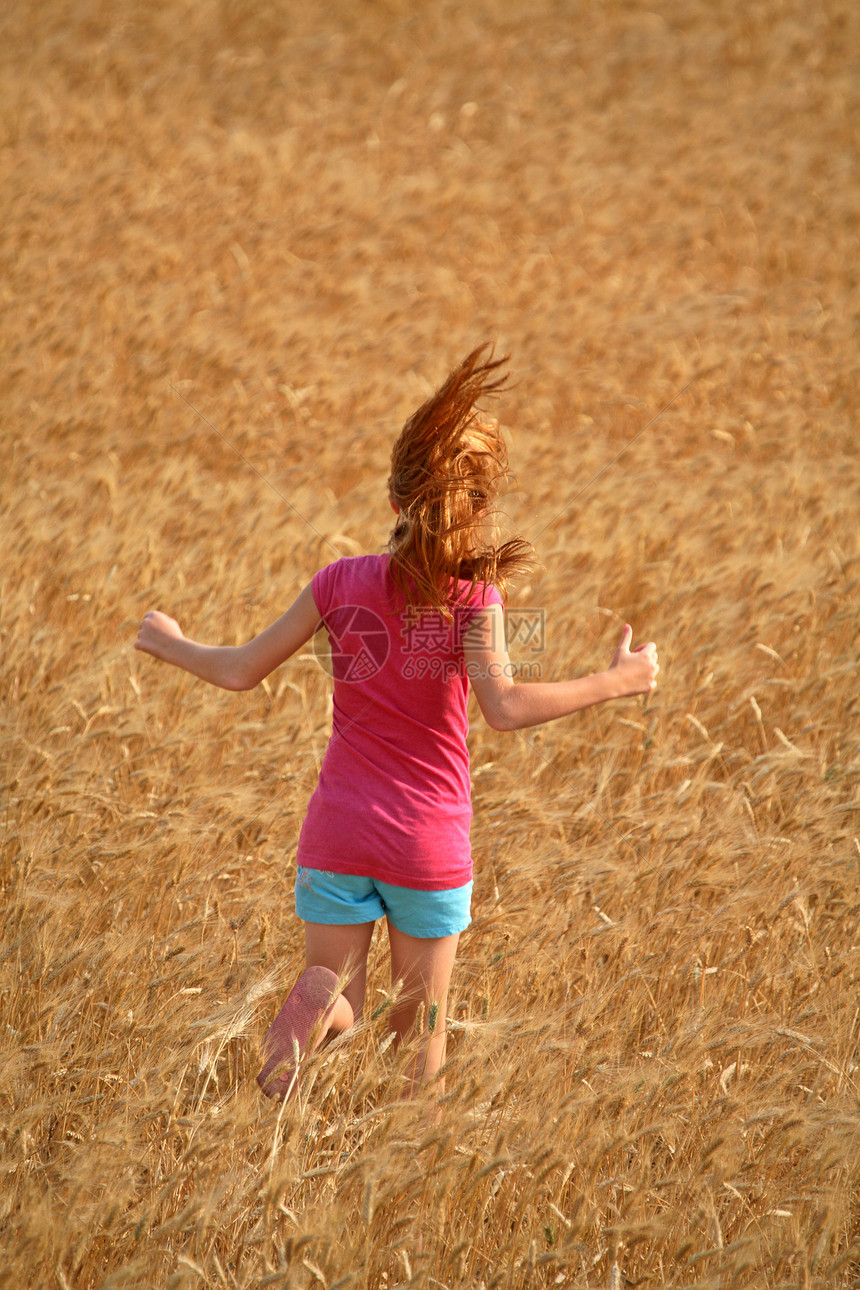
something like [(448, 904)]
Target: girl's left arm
[(509, 705), (232, 667)]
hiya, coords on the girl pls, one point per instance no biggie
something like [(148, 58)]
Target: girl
[(387, 828)]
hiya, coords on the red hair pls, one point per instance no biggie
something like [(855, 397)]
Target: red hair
[(447, 468)]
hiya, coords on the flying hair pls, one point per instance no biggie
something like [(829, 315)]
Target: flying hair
[(448, 466)]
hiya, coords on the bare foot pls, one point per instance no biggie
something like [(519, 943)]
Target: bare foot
[(313, 1003)]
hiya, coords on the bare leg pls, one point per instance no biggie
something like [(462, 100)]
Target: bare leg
[(343, 950), (424, 967), (315, 1010)]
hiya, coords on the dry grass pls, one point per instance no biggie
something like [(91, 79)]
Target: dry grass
[(299, 217)]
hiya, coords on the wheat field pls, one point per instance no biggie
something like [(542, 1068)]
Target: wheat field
[(241, 242)]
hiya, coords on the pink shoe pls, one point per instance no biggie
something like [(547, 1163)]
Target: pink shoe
[(309, 1001)]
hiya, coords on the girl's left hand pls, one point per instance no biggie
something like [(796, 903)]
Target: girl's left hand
[(156, 634), (636, 669)]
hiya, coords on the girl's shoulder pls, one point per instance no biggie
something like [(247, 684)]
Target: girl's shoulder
[(354, 566), (469, 596), (351, 577)]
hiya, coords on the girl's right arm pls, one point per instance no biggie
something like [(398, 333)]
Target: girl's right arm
[(232, 667), (509, 706)]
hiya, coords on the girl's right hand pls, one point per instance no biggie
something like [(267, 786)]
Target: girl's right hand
[(636, 670), (156, 633)]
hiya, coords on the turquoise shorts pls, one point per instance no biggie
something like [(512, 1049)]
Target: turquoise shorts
[(341, 899)]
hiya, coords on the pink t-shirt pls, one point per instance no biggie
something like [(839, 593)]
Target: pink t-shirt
[(393, 800)]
